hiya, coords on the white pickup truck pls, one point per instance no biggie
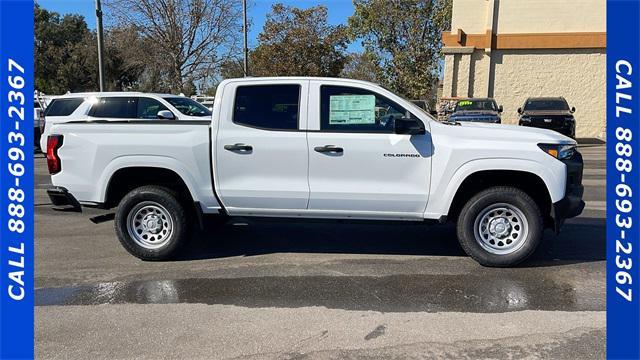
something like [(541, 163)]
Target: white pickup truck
[(318, 148)]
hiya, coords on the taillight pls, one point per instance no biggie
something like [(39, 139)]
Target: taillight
[(54, 142)]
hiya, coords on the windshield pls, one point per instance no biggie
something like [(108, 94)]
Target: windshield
[(408, 100), (188, 107), (549, 104), (476, 105)]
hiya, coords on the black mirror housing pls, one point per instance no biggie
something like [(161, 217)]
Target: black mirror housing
[(409, 126), (520, 110), (573, 109), (500, 109)]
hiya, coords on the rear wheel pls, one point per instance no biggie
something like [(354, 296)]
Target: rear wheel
[(151, 223), (500, 226)]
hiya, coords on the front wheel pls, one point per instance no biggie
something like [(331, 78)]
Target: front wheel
[(500, 226), (151, 223)]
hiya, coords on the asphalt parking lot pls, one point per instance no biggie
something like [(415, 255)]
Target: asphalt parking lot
[(259, 290)]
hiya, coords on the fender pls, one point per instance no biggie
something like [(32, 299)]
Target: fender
[(201, 191), (553, 177)]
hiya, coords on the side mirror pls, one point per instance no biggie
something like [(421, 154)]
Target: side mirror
[(409, 126), (500, 109), (166, 115), (573, 109)]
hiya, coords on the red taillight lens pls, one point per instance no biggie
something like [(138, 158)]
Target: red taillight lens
[(53, 160)]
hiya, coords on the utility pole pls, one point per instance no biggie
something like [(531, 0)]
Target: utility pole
[(246, 48), (100, 45)]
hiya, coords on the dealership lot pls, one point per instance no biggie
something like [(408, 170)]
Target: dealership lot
[(319, 290)]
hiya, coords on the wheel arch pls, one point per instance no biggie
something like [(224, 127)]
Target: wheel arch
[(532, 184), (442, 195), (128, 178)]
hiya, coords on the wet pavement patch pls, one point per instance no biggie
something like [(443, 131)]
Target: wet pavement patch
[(398, 293)]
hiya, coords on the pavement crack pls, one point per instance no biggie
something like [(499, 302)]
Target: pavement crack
[(377, 332), (322, 335)]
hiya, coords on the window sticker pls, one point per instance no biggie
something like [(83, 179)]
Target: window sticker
[(352, 109), (465, 102)]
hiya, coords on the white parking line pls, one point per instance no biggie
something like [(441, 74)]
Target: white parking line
[(596, 205)]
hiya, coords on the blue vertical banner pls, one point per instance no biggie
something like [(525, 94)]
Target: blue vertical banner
[(16, 179), (623, 180)]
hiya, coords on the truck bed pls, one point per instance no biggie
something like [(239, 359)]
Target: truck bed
[(93, 151)]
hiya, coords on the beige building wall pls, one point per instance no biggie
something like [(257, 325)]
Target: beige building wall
[(577, 74), (514, 49), (550, 16)]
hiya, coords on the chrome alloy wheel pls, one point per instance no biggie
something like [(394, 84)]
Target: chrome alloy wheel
[(501, 228), (149, 225)]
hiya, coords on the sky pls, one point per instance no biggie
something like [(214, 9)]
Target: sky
[(339, 11)]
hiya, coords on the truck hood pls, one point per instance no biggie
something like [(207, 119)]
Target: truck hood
[(474, 113), (501, 132)]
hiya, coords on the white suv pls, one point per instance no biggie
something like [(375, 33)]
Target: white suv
[(119, 107)]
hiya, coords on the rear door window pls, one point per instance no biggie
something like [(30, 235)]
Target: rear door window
[(63, 107), (115, 107), (269, 107)]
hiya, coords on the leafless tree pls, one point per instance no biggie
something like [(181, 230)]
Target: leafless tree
[(189, 38)]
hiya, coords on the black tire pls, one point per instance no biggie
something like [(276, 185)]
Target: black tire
[(167, 203), (476, 206)]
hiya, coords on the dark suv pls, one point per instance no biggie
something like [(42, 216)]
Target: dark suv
[(477, 110), (548, 113)]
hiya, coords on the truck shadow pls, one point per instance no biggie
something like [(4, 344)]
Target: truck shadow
[(581, 240)]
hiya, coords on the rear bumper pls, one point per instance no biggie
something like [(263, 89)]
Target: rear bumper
[(62, 199), (572, 204)]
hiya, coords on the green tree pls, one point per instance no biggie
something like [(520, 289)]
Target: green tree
[(66, 57), (404, 36), (299, 42), (362, 66), (232, 68), (58, 45)]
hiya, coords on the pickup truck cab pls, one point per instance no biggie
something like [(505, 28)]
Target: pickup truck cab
[(477, 110), (318, 148)]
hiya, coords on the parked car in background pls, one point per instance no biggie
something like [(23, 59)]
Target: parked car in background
[(548, 113), (477, 110), (38, 122), (421, 104), (205, 100), (40, 103), (120, 107), (298, 147)]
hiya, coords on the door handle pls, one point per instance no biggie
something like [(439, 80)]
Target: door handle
[(239, 147), (329, 149)]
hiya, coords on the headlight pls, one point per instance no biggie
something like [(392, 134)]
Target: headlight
[(558, 151), (525, 119)]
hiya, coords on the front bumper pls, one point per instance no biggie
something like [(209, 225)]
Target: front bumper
[(62, 199), (566, 130), (572, 204)]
